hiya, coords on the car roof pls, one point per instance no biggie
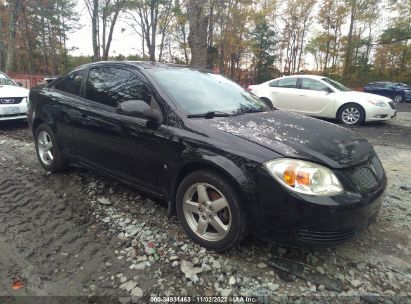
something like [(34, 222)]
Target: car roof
[(317, 77), (140, 64)]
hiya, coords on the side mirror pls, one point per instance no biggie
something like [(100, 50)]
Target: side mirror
[(139, 108), (328, 90), (19, 84)]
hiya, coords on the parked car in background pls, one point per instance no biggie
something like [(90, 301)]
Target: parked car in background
[(320, 96), (13, 99), (225, 162), (397, 91)]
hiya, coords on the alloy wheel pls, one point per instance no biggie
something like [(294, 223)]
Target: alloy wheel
[(398, 99), (45, 148), (351, 115), (207, 212)]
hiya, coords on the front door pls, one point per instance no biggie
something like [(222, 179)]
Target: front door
[(131, 148), (315, 98)]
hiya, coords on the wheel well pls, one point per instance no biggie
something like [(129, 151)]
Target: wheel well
[(36, 123), (350, 103), (192, 167)]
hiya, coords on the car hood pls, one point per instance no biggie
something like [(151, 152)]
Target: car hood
[(298, 136), (13, 91), (355, 96)]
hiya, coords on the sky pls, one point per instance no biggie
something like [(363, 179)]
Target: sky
[(124, 42)]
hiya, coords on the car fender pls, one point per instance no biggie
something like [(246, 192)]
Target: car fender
[(340, 101), (44, 115), (42, 111), (200, 159)]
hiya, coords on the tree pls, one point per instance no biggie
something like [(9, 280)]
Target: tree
[(102, 30), (197, 39), (93, 9), (393, 52), (15, 9), (263, 43), (360, 11), (110, 13), (297, 18)]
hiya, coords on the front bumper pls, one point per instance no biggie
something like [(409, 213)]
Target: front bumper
[(306, 221), (13, 111), (380, 113)]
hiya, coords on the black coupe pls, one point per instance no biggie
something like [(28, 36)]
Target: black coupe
[(225, 162)]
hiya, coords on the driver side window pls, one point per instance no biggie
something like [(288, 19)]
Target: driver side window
[(312, 84), (111, 86)]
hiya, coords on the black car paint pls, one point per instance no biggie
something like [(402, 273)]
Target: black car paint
[(154, 157)]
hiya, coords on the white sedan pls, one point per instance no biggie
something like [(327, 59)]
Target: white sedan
[(13, 99), (323, 97)]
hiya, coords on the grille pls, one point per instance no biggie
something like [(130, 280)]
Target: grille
[(392, 105), (11, 100), (379, 170), (325, 237), (365, 178)]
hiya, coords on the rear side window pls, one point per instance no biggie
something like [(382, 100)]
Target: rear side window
[(287, 83), (111, 86), (71, 83), (312, 84)]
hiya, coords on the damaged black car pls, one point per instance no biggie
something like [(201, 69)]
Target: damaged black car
[(225, 162)]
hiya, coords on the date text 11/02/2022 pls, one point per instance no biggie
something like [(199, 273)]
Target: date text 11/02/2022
[(204, 299)]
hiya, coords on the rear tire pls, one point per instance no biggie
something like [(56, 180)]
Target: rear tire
[(48, 150), (351, 114), (210, 210)]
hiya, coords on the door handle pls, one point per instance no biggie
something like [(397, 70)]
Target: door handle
[(302, 95), (85, 117), (275, 92)]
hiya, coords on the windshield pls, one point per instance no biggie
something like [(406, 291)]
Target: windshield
[(336, 85), (4, 80), (200, 92)]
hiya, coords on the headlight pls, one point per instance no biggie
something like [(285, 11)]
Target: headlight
[(378, 103), (304, 177)]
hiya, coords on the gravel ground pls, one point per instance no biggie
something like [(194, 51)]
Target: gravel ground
[(80, 234)]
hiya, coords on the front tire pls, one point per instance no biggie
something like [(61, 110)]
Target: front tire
[(398, 98), (210, 210), (47, 149), (351, 114)]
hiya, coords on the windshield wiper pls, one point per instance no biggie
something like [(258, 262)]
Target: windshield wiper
[(209, 115)]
